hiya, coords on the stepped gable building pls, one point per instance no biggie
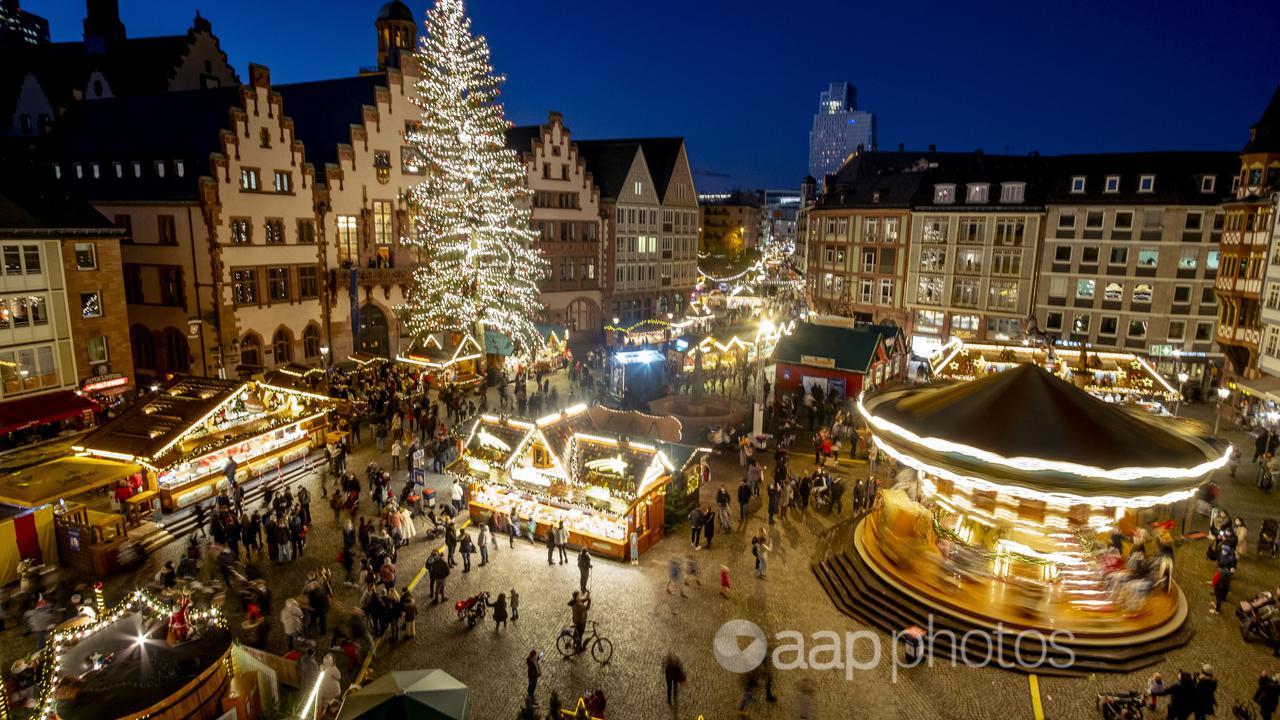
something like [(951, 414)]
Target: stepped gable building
[(40, 81), (565, 206)]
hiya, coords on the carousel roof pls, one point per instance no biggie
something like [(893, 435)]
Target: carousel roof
[(1030, 427)]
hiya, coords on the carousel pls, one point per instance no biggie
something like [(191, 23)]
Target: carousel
[(1020, 501)]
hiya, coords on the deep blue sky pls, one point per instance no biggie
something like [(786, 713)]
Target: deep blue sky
[(740, 79)]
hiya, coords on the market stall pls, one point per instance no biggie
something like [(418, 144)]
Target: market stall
[(1110, 376), (1018, 498), (196, 433), (603, 489), (450, 358), (842, 361)]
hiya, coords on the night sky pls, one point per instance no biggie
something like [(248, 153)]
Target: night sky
[(740, 79)]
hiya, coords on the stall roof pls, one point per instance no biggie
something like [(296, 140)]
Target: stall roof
[(57, 479), (631, 466), (434, 353), (149, 428), (293, 378), (848, 349), (38, 409)]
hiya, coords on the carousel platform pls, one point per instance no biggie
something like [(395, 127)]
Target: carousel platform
[(873, 597)]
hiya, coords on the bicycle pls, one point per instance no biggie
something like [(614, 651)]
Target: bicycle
[(601, 647)]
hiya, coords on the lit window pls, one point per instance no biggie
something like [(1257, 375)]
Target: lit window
[(1077, 184), (283, 181), (1012, 193), (978, 192), (944, 194), (1084, 289), (91, 304), (86, 256), (1146, 183), (96, 348), (179, 168), (1112, 184), (248, 179)]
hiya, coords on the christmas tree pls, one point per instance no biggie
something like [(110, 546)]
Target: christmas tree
[(469, 217)]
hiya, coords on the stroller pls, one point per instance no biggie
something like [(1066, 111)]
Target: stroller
[(1267, 537), (1121, 706), (472, 609)]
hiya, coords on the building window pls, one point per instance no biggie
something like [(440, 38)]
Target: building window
[(251, 351), (944, 194), (1006, 262), (172, 292), (159, 168), (383, 228), (347, 239), (132, 285), (1137, 329), (1119, 256), (282, 345), (1067, 220), (1111, 184), (1123, 220), (311, 342), (977, 193), (1146, 183), (1108, 325), (308, 281), (86, 257), (1058, 287), (1188, 259), (1177, 329), (167, 229), (244, 286), (382, 165), (278, 284), (283, 181), (137, 168), (306, 231), (1084, 289), (1053, 321), (1208, 297), (240, 231), (1093, 220), (249, 179), (1182, 295), (1114, 292), (1204, 331), (929, 321), (929, 290), (886, 292), (972, 231), (91, 304), (179, 168), (264, 138), (1211, 260), (1142, 293), (96, 348), (1077, 184), (866, 291), (1194, 222), (274, 231), (1148, 257), (964, 293), (1002, 295), (1012, 193), (1062, 253), (1089, 255), (1207, 183), (1080, 324), (934, 230)]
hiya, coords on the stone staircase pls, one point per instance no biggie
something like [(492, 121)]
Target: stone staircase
[(861, 593)]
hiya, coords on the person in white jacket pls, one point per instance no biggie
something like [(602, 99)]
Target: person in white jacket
[(330, 684), (292, 621)]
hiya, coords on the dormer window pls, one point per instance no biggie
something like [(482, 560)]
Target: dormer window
[(57, 171), (1207, 183), (79, 171), (137, 168), (118, 167), (159, 168), (1012, 193), (179, 168), (1112, 184), (1146, 183), (1077, 184), (977, 192), (265, 136), (96, 171), (944, 194)]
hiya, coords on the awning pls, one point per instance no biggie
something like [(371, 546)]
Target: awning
[(61, 478), (1266, 387), (40, 409)]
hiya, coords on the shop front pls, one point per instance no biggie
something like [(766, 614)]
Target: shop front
[(842, 362), (450, 358), (37, 418)]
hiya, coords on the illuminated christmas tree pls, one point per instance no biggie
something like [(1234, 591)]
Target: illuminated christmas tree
[(469, 217)]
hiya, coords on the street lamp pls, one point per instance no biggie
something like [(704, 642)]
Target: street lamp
[(1222, 396), (1182, 384)]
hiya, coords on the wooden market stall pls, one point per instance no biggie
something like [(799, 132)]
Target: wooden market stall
[(188, 434), (1110, 376), (449, 357), (602, 488)]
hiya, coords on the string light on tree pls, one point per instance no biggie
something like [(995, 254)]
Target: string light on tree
[(469, 218)]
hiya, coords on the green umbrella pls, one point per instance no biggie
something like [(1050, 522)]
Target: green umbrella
[(409, 695)]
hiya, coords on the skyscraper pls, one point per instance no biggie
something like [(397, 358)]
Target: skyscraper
[(839, 127), (20, 28)]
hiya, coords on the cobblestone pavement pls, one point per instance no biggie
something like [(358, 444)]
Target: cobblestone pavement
[(645, 622)]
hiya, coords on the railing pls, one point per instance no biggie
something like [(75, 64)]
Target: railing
[(384, 276)]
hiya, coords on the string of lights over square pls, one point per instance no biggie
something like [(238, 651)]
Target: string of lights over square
[(469, 217)]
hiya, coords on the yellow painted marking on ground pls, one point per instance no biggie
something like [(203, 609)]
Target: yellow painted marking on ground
[(1036, 708)]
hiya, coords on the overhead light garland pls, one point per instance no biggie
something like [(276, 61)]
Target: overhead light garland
[(470, 218)]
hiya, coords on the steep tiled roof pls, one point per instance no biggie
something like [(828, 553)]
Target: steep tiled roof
[(1266, 133), (324, 111), (609, 161), (1177, 177), (32, 202), (874, 179)]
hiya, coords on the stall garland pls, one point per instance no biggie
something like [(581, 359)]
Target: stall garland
[(209, 447), (139, 600), (1130, 377)]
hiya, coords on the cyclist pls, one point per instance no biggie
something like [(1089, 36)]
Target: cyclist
[(579, 604)]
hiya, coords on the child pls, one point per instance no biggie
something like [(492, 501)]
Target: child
[(1155, 686), (515, 605), (724, 581)]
